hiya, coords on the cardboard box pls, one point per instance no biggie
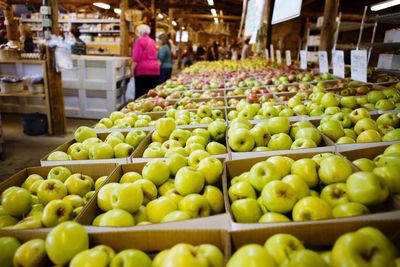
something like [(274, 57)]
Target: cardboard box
[(137, 156), (91, 210), (390, 209), (93, 170), (64, 147), (369, 152), (150, 242)]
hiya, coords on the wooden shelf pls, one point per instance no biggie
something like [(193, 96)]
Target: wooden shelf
[(76, 20), (23, 94), (24, 61), (102, 43), (99, 31)]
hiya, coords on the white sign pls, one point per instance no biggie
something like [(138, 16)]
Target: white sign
[(303, 59), (288, 57), (338, 63), (283, 10), (271, 49), (266, 55), (359, 65), (278, 57), (254, 17), (323, 62)]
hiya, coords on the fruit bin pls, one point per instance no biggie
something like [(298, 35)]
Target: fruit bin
[(64, 148), (389, 209), (141, 240), (93, 170), (138, 155), (218, 221)]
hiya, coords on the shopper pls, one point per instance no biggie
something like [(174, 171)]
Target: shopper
[(234, 52), (200, 52), (26, 38), (3, 36), (188, 55), (246, 50), (79, 47), (171, 45), (165, 58), (146, 68)]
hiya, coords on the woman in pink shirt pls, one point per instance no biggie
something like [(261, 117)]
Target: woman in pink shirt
[(146, 68)]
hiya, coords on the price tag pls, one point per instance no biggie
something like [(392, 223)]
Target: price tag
[(278, 57), (266, 55), (303, 59), (288, 57), (359, 65), (338, 63), (323, 62), (271, 48)]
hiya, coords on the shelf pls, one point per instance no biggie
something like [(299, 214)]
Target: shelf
[(22, 94), (25, 61), (102, 43), (89, 21), (393, 18), (99, 31), (386, 45)]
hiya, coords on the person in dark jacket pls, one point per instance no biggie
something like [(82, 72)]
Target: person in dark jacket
[(79, 47), (165, 58), (26, 38)]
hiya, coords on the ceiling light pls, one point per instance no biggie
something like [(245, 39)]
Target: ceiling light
[(210, 2), (102, 5), (385, 4), (216, 21), (183, 28), (160, 16), (174, 23), (214, 12), (117, 11)]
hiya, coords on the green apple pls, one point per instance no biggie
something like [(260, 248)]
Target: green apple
[(367, 188), (189, 181), (7, 220), (365, 124), (104, 196), (101, 151), (16, 202), (278, 196), (306, 168), (379, 239), (282, 246), (204, 111), (359, 114), (345, 140), (241, 140), (176, 215), (333, 129), (310, 133), (51, 189), (116, 115), (8, 247), (58, 156), (252, 255), (75, 200), (123, 150), (282, 163), (390, 173), (158, 208), (30, 180), (349, 102), (334, 169), (329, 100), (335, 194), (90, 258), (278, 125), (215, 148), (117, 218), (140, 215), (303, 143), (350, 133), (375, 95), (197, 139), (217, 130), (295, 127), (331, 111), (298, 184), (131, 257), (246, 210), (261, 135), (59, 173), (165, 126), (388, 119), (195, 205), (205, 133), (153, 152), (304, 258), (280, 141), (79, 184), (241, 190), (71, 237), (56, 212), (393, 135), (262, 173), (270, 217), (83, 133), (169, 144), (157, 171), (364, 164), (343, 118), (128, 197), (113, 140), (369, 136), (176, 150), (88, 143), (29, 253), (148, 188), (130, 177), (211, 168), (215, 198), (311, 208), (196, 156), (134, 137), (176, 162), (180, 135), (349, 209)]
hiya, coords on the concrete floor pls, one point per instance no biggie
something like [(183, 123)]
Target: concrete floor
[(22, 151)]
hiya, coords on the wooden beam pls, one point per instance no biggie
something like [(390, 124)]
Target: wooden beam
[(124, 29), (12, 27), (206, 16), (142, 5), (345, 17), (329, 25), (56, 93), (60, 2)]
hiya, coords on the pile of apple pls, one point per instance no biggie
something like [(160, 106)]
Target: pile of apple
[(153, 104), (359, 127), (367, 246), (204, 94), (89, 146), (189, 103), (68, 243), (121, 120), (203, 115), (267, 110), (387, 99), (166, 190), (274, 134), (281, 189), (251, 98), (303, 86), (46, 201), (167, 140)]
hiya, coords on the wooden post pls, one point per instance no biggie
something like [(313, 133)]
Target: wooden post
[(153, 21), (329, 26), (124, 29), (56, 93), (270, 8), (12, 27)]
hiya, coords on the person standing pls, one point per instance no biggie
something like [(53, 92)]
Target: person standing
[(26, 38), (146, 68), (246, 51), (165, 58), (79, 47)]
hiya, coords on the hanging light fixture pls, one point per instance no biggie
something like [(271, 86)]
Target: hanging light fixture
[(117, 11), (213, 12), (102, 5), (174, 23), (385, 4), (210, 2)]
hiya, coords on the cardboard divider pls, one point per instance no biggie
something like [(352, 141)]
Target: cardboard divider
[(137, 156), (369, 152), (91, 210), (390, 209), (64, 147), (319, 236)]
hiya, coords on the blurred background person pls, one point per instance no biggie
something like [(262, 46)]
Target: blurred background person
[(26, 38), (246, 50), (188, 55), (145, 66), (165, 58), (200, 53), (79, 47)]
